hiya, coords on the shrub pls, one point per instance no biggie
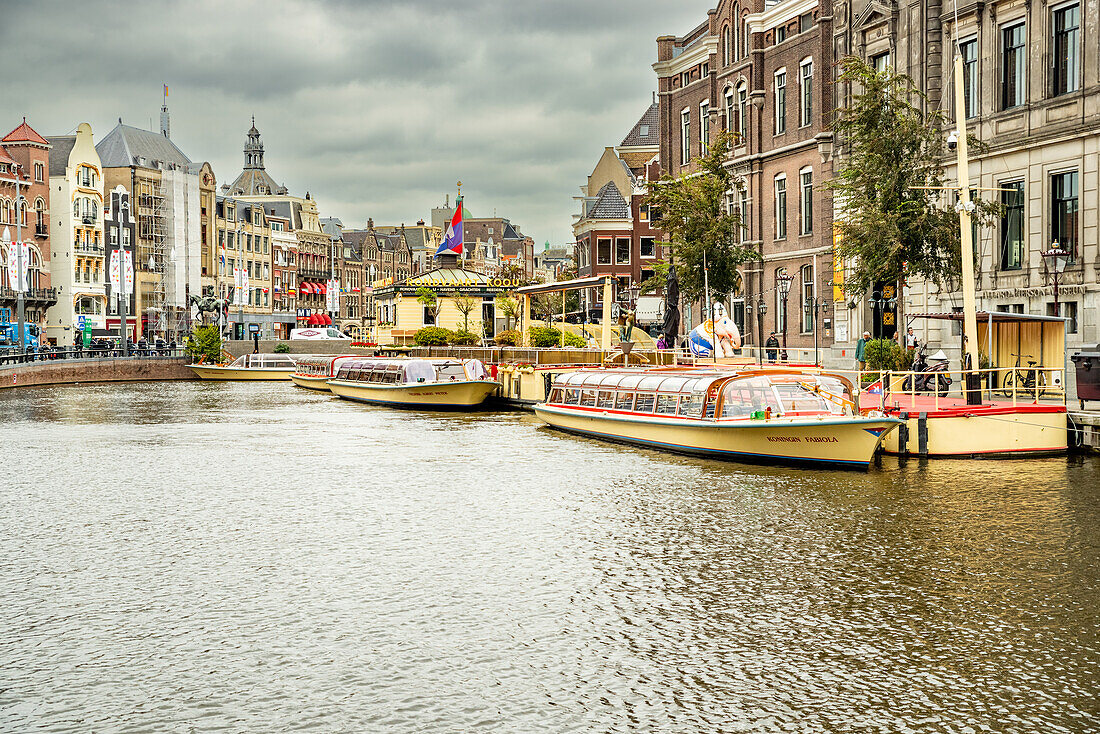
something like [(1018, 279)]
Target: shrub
[(544, 336), (574, 340), (883, 354), (432, 336), (463, 338), (205, 343), (507, 338), (282, 348)]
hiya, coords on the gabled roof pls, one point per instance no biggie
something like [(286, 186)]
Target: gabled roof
[(644, 132), (24, 134), (60, 148), (510, 232), (610, 204), (123, 146), (457, 276)]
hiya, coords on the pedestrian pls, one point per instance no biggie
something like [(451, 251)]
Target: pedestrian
[(910, 339), (771, 347), (861, 347), (661, 343)]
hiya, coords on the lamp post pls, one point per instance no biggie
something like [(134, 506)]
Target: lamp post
[(783, 282), (240, 279), (20, 264), (1057, 260), (761, 310)]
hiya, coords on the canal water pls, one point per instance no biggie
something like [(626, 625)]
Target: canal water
[(255, 557)]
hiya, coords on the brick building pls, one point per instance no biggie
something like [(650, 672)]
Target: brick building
[(762, 70), (612, 231), (25, 156)]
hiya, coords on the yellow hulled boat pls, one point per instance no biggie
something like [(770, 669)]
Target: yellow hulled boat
[(435, 384), (248, 367), (314, 372), (773, 416)]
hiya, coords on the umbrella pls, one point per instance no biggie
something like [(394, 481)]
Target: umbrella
[(671, 327)]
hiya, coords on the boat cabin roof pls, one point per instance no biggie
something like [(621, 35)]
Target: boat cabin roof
[(273, 361)]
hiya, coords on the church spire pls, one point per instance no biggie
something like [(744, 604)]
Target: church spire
[(254, 149)]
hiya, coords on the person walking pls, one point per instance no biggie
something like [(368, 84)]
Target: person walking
[(861, 347), (910, 339), (771, 347)]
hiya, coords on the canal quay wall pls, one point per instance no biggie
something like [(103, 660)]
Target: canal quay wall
[(76, 371), (237, 347)]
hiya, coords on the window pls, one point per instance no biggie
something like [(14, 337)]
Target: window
[(726, 46), (881, 62), (1069, 313), (737, 33), (780, 207), (742, 110), (1012, 66), (648, 247), (603, 251), (780, 101), (685, 78), (704, 126), (704, 70), (622, 250), (780, 303), (806, 201), (732, 123), (1012, 225), (806, 92), (808, 294), (969, 51), (805, 22), (624, 401), (1067, 22), (1063, 230), (780, 34), (39, 172), (685, 136), (743, 211)]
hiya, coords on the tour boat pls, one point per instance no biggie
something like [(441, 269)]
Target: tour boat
[(248, 367), (768, 415), (314, 372), (438, 384)]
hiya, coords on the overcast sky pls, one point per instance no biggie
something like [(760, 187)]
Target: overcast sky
[(377, 107)]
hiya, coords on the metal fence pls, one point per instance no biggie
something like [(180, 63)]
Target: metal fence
[(11, 356)]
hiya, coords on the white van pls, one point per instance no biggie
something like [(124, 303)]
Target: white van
[(317, 332)]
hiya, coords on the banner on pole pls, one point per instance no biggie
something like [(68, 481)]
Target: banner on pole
[(127, 272), (114, 269)]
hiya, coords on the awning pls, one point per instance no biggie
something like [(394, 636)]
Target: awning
[(986, 316), (304, 288), (320, 288), (563, 285), (326, 320)]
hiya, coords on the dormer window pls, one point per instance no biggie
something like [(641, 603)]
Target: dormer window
[(643, 131)]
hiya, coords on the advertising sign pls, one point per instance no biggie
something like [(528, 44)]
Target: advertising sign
[(127, 272), (114, 270)]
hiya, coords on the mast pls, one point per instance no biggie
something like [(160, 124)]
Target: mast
[(970, 318)]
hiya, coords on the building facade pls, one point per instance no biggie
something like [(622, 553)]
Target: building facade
[(244, 235), (76, 229), (25, 213), (164, 193), (1031, 78), (763, 71), (120, 235)]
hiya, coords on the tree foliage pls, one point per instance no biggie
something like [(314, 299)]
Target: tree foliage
[(893, 218), (466, 306), (205, 343), (691, 209), (426, 297), (549, 305), (509, 308)]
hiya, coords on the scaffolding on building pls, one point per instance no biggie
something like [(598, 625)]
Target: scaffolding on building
[(153, 233)]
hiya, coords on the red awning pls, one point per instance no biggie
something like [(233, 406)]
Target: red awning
[(304, 288), (320, 288), (328, 320), (314, 320)]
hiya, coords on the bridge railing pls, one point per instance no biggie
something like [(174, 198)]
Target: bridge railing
[(11, 356)]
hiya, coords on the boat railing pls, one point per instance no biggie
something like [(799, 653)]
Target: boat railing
[(1034, 385)]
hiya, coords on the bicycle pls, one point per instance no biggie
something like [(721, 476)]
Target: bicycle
[(1024, 381)]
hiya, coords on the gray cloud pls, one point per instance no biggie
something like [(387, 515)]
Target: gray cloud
[(375, 106)]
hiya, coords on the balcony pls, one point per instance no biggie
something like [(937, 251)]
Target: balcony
[(45, 297), (85, 248), (313, 273)]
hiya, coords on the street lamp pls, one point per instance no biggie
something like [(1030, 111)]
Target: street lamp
[(783, 281), (882, 304), (761, 310), (240, 280), (1057, 260)]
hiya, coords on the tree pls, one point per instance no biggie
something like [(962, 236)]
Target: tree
[(508, 307), (894, 218), (691, 209), (549, 305), (426, 297), (205, 343), (465, 306)]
